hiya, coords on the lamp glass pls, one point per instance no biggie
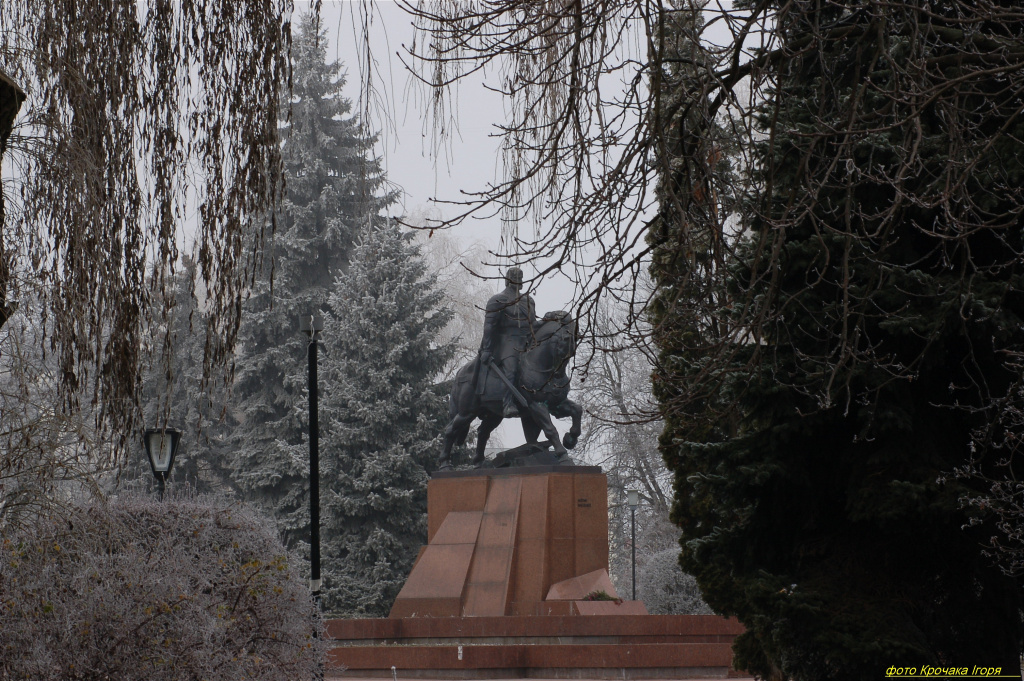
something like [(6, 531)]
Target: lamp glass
[(311, 323), (161, 447), (633, 497)]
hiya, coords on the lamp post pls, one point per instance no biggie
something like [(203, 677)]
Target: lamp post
[(310, 325), (633, 499), (161, 446)]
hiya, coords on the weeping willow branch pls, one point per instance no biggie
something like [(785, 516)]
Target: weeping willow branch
[(144, 123)]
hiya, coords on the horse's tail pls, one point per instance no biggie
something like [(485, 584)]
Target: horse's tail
[(461, 399), (453, 402)]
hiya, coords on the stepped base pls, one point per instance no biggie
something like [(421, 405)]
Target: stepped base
[(693, 673), (549, 647)]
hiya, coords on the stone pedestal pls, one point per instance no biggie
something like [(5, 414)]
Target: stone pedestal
[(499, 592), (499, 539)]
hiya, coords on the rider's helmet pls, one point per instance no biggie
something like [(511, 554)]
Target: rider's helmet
[(514, 277)]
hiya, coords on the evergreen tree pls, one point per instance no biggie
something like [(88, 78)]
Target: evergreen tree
[(333, 187), (878, 292), (382, 417)]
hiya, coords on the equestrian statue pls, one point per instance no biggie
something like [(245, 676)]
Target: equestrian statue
[(520, 371)]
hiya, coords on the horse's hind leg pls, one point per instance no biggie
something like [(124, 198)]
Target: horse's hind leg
[(531, 430), (487, 424), (454, 432)]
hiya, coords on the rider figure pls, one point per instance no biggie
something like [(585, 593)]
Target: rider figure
[(508, 327)]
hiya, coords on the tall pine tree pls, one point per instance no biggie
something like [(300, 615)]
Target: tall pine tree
[(333, 188), (877, 294), (382, 414)]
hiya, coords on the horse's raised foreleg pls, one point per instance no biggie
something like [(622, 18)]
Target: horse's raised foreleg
[(487, 424), (571, 409), (542, 417), (455, 431)]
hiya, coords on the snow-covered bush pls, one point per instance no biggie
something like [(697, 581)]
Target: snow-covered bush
[(665, 589), (190, 588)]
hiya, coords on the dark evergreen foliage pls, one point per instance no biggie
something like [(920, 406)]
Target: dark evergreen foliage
[(382, 417), (333, 189), (880, 286)]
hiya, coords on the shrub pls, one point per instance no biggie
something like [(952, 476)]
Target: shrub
[(601, 595), (185, 589), (666, 590)]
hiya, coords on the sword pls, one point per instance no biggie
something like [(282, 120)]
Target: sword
[(504, 379)]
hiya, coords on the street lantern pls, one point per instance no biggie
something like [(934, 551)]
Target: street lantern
[(161, 446), (633, 499)]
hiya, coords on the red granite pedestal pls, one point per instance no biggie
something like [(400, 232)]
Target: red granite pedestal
[(553, 647), (499, 592), (498, 541)]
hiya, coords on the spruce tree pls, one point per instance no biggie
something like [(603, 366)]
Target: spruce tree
[(382, 415), (333, 187), (878, 288)]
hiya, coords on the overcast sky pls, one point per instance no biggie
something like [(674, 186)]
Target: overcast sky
[(466, 162)]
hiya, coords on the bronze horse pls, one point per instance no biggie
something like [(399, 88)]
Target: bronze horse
[(542, 381)]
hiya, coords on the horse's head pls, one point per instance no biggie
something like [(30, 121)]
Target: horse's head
[(559, 329)]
